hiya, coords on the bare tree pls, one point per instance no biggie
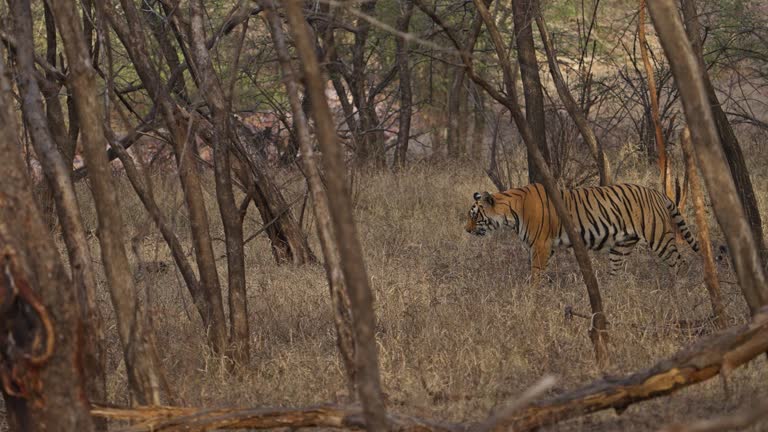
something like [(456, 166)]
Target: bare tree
[(523, 12), (406, 93), (728, 140), (43, 384), (140, 358), (345, 232), (710, 273), (333, 270), (712, 161), (230, 214), (55, 167), (131, 34), (661, 147), (574, 110)]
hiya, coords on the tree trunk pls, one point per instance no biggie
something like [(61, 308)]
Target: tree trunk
[(455, 121), (728, 140), (661, 147), (132, 328), (56, 171), (573, 108), (289, 244), (59, 399), (182, 132), (345, 232), (710, 273), (230, 214), (722, 190), (480, 124), (522, 15), (174, 245), (160, 29), (402, 53), (367, 139), (333, 271)]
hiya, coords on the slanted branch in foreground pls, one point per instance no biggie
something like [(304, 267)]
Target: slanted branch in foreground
[(714, 355), (718, 354)]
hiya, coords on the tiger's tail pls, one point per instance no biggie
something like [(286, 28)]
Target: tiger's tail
[(679, 222)]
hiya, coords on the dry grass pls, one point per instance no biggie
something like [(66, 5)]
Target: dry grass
[(459, 332)]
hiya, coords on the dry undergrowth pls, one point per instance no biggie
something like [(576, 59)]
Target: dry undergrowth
[(459, 332)]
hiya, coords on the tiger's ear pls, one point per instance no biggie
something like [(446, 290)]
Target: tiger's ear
[(488, 198), (476, 196)]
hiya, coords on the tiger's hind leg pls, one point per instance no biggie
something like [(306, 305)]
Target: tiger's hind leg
[(619, 252), (668, 252)]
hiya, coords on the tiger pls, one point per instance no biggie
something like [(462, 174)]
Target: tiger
[(612, 218)]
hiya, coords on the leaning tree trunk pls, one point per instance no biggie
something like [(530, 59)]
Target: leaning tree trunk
[(728, 140), (140, 359), (339, 296), (39, 314), (689, 76), (345, 232), (522, 15), (573, 108), (697, 195), (661, 147)]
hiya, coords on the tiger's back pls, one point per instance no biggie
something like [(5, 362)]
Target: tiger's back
[(613, 218)]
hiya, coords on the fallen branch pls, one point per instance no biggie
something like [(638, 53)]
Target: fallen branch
[(709, 357), (168, 419)]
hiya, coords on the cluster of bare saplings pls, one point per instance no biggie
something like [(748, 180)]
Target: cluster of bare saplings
[(52, 343)]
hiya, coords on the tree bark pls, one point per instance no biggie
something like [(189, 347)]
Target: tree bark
[(132, 328), (402, 53), (728, 140), (174, 245), (133, 38), (160, 29), (35, 280), (522, 16), (370, 142), (230, 214), (289, 244), (333, 271), (480, 124), (456, 94), (710, 273), (573, 108), (345, 232), (56, 170), (722, 190)]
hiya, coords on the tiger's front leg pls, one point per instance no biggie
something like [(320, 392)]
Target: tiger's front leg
[(540, 254)]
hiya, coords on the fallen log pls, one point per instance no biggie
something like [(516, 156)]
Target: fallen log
[(718, 354), (168, 419)]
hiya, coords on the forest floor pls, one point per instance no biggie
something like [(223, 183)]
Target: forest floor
[(459, 331)]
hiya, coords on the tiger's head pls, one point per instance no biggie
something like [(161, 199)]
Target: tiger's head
[(483, 216)]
